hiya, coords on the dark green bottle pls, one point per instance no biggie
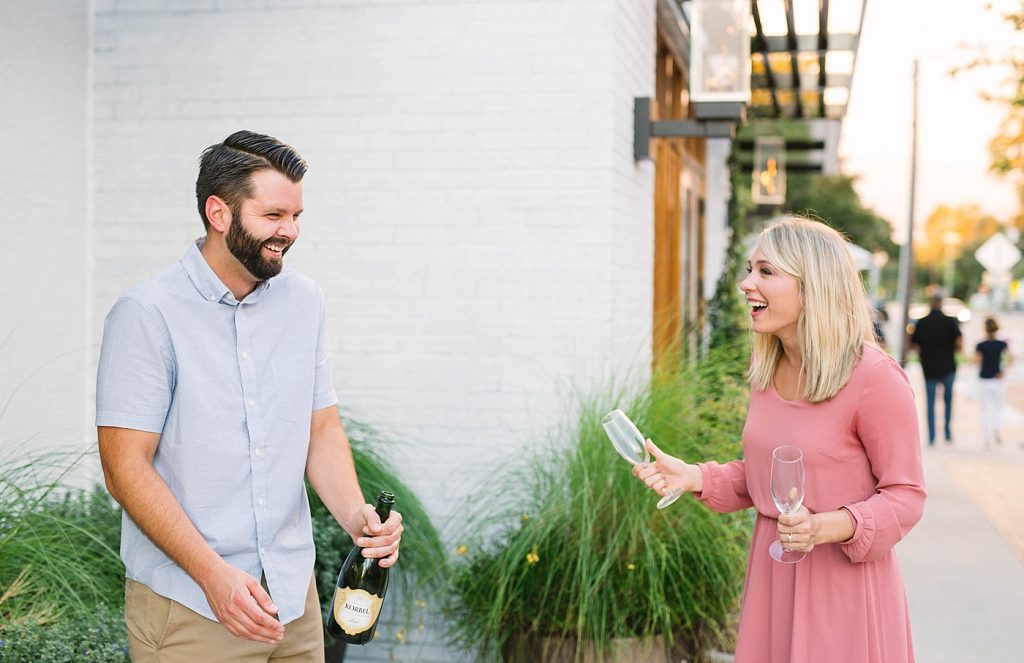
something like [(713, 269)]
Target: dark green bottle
[(359, 595)]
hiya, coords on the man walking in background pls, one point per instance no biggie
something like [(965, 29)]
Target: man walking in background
[(214, 400), (937, 339)]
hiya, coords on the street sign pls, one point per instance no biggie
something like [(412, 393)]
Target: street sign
[(997, 254)]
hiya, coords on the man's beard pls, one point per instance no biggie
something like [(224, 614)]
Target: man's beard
[(246, 247)]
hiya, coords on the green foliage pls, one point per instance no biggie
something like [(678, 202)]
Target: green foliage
[(58, 545), (570, 546), (61, 578), (419, 568), (727, 311), (1006, 148), (834, 200), (99, 637)]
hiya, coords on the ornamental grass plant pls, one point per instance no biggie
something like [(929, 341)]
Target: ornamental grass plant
[(61, 578), (570, 550), (58, 544)]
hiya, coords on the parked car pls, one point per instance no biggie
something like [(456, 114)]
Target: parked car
[(950, 306)]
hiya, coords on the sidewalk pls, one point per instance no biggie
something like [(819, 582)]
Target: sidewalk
[(963, 564)]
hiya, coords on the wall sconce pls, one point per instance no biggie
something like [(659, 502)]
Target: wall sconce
[(720, 51), (719, 74), (769, 179)]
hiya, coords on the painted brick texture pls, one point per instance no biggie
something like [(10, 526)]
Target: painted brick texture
[(473, 212), (44, 275)]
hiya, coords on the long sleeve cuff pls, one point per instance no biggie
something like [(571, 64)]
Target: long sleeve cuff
[(724, 487), (857, 548)]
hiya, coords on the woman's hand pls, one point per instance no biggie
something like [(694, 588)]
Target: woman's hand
[(797, 531), (802, 530), (668, 473)]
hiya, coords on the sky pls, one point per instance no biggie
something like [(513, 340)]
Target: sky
[(954, 124)]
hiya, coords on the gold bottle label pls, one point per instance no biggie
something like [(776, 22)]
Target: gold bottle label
[(356, 610)]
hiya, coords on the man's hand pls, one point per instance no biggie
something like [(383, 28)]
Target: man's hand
[(236, 598), (242, 606), (375, 538)]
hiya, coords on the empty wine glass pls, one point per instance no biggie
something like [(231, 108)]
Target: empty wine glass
[(630, 443), (787, 486)]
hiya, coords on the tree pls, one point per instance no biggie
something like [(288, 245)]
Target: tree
[(953, 234), (833, 199), (1006, 148)]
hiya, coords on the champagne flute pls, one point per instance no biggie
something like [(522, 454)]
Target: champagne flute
[(630, 443), (787, 486)]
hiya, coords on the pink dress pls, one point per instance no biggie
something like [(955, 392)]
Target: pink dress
[(844, 602)]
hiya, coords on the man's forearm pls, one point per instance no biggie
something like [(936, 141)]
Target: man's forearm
[(331, 471)]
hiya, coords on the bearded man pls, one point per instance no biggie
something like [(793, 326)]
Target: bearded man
[(214, 400)]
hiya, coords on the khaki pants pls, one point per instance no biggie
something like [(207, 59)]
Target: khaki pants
[(164, 631)]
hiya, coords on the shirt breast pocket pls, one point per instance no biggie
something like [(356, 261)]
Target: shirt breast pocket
[(293, 381)]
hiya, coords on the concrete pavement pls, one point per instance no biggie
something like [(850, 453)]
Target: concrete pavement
[(963, 564)]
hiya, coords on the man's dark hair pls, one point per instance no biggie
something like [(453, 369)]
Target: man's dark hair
[(225, 168)]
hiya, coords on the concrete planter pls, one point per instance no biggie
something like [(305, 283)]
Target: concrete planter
[(530, 649)]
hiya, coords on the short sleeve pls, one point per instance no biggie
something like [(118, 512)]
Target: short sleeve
[(136, 374), (323, 387)]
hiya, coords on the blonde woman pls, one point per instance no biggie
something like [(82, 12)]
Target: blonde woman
[(989, 355), (818, 382)]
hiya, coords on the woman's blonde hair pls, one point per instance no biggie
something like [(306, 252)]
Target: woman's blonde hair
[(835, 319)]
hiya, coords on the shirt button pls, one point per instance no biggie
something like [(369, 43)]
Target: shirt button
[(261, 501), (252, 402), (263, 550), (212, 298), (245, 355), (258, 451)]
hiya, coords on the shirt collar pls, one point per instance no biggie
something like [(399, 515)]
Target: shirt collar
[(206, 280)]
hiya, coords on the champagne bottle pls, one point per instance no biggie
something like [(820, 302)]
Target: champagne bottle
[(360, 590)]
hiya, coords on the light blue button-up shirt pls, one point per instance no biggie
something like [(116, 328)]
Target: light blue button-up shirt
[(230, 386)]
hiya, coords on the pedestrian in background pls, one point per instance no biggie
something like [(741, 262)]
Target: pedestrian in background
[(988, 355), (879, 318), (937, 339), (818, 382)]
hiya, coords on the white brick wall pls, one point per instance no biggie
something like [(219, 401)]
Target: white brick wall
[(473, 212), (43, 284), (632, 242)]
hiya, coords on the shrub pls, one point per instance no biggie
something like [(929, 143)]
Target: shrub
[(571, 546), (98, 637), (62, 580)]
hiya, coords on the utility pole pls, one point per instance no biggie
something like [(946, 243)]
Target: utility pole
[(905, 279)]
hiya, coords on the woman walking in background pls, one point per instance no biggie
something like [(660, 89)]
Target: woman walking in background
[(818, 382), (991, 387)]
